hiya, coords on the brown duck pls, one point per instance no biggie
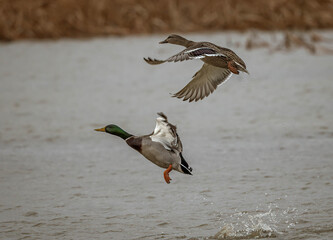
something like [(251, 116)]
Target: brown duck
[(219, 64)]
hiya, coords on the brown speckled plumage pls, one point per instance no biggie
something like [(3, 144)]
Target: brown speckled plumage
[(218, 65)]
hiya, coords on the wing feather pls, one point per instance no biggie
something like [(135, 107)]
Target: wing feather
[(188, 54), (203, 83), (166, 134)]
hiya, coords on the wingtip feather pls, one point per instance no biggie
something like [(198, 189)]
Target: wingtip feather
[(161, 114), (153, 61)]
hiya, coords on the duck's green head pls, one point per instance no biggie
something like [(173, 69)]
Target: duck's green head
[(114, 130)]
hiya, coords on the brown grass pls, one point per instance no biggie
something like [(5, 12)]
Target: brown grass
[(314, 43), (83, 18)]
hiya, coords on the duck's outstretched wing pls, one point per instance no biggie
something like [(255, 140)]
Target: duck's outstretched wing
[(195, 52), (203, 83), (166, 134)]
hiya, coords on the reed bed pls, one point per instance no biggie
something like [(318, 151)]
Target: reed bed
[(21, 19)]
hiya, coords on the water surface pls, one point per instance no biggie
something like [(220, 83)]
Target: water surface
[(260, 146)]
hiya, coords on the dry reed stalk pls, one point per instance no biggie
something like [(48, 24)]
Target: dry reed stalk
[(84, 18)]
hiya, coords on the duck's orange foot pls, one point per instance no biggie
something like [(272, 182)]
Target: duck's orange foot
[(232, 67), (166, 174)]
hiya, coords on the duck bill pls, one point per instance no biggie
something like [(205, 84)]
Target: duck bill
[(165, 41), (100, 129)]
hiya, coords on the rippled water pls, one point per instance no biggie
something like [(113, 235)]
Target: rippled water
[(260, 146)]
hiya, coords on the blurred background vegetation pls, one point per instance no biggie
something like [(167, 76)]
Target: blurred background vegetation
[(20, 19)]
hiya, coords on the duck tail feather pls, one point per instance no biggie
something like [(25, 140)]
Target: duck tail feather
[(184, 165)]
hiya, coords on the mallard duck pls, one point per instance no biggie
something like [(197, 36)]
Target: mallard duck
[(162, 147), (219, 64)]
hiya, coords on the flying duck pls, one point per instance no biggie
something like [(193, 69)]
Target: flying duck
[(162, 147), (219, 64)]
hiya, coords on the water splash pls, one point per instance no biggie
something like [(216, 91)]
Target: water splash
[(261, 230), (256, 224)]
